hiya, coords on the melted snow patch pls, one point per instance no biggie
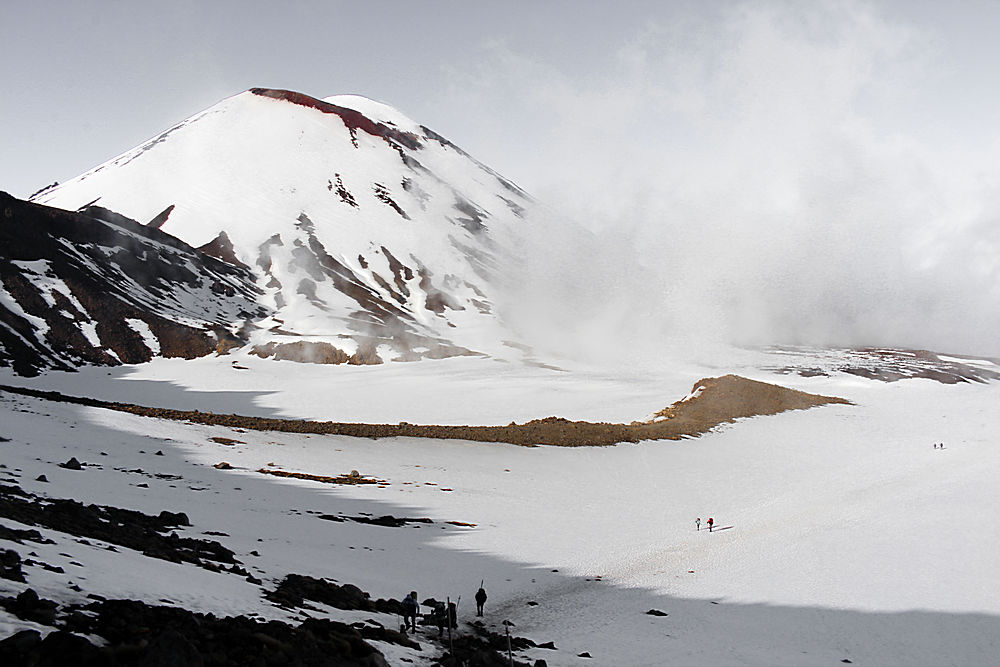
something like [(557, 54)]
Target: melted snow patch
[(143, 330)]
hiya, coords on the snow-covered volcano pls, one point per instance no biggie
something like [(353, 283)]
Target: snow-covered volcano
[(367, 232)]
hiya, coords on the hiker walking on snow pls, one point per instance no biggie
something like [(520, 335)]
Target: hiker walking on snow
[(410, 606), (697, 523), (480, 600), (710, 522)]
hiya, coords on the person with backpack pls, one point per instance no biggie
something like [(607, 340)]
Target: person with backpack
[(440, 616), (710, 523), (480, 600), (410, 607)]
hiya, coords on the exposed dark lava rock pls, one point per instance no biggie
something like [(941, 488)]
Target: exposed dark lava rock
[(388, 520), (28, 606), (891, 365), (94, 278), (354, 120), (10, 564), (484, 648), (161, 217), (382, 194), (72, 464), (221, 247), (144, 635), (127, 528), (295, 589)]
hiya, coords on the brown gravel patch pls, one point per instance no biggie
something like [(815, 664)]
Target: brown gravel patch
[(714, 401)]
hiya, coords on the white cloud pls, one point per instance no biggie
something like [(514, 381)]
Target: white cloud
[(764, 175)]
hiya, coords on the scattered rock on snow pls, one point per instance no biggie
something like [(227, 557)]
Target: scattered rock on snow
[(226, 441), (174, 518), (72, 464), (28, 606), (295, 589), (10, 566), (656, 612)]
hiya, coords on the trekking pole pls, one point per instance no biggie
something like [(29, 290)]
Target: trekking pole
[(451, 644)]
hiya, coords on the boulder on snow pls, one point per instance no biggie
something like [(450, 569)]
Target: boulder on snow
[(72, 464), (10, 566), (174, 518)]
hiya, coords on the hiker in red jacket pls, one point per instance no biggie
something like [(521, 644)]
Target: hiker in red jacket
[(710, 522)]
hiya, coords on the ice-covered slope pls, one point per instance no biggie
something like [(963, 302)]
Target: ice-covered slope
[(366, 230)]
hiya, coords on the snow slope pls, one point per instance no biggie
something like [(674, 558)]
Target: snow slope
[(843, 535), (365, 228)]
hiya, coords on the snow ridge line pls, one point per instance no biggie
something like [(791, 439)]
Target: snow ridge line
[(721, 400)]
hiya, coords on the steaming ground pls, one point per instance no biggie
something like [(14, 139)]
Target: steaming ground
[(844, 534)]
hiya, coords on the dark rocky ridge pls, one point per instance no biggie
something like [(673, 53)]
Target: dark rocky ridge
[(354, 120), (114, 270)]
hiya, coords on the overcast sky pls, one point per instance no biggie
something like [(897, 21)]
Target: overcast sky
[(756, 160)]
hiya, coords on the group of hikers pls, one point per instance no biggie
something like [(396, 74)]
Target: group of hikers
[(442, 615), (709, 523)]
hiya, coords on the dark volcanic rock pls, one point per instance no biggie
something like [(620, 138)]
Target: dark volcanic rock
[(138, 634), (296, 588), (127, 528), (28, 606), (10, 565), (484, 649), (110, 273), (72, 464)]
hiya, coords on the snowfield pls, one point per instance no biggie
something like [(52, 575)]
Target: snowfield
[(841, 533)]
